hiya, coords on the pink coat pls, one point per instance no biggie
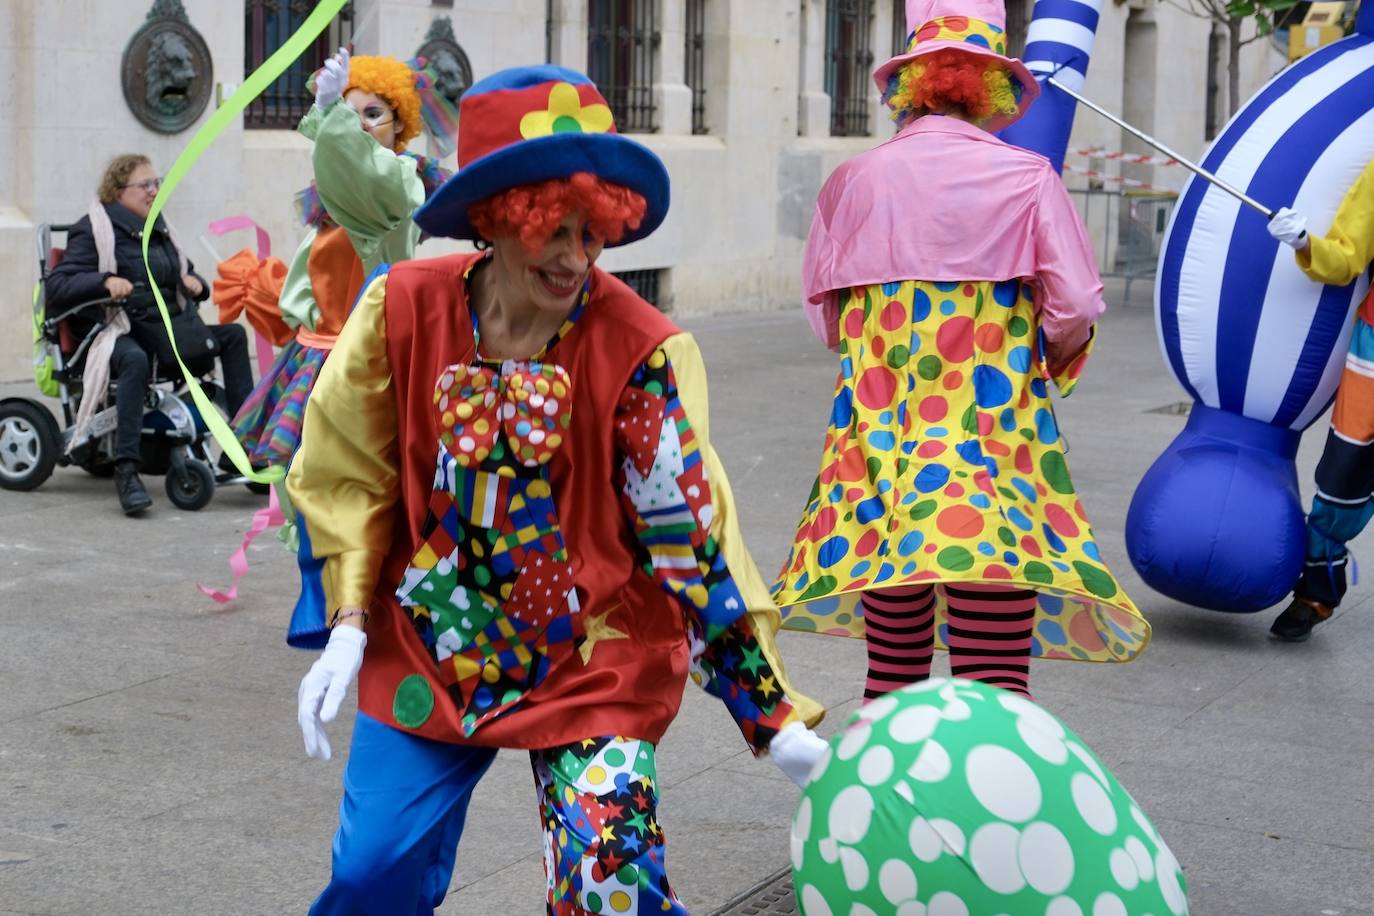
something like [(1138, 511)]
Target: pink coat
[(946, 201)]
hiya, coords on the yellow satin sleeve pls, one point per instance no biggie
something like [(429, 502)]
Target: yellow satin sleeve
[(690, 373), (344, 480), (1348, 246)]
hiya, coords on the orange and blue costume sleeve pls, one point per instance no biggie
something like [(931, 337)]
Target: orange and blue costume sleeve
[(674, 492)]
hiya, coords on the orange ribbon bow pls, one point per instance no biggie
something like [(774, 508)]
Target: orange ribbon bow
[(248, 283)]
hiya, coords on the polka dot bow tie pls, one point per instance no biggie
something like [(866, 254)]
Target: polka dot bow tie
[(530, 405)]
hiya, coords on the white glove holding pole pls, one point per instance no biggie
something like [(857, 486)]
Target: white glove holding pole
[(324, 686), (795, 750), (331, 80), (1290, 228)]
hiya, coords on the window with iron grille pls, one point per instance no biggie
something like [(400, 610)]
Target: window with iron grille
[(900, 36), (696, 62), (267, 26), (622, 44), (644, 283), (848, 62)]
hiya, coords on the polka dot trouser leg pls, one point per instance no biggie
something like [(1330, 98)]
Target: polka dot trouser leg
[(990, 629), (900, 628), (603, 848)]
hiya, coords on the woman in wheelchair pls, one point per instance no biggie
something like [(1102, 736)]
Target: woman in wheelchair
[(104, 258)]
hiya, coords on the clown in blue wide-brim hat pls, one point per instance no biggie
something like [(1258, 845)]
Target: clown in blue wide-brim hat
[(516, 532)]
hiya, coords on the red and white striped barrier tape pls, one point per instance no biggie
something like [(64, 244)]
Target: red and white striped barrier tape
[(1118, 156), (1118, 179)]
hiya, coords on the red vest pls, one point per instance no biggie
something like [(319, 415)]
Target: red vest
[(629, 686)]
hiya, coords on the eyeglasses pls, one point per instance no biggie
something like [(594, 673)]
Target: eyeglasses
[(149, 186)]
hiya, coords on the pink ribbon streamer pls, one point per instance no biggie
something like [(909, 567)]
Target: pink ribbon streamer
[(271, 515), (265, 518), (232, 223)]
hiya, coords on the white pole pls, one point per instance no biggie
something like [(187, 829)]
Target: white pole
[(1190, 166)]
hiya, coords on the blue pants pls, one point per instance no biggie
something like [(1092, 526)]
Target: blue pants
[(405, 799)]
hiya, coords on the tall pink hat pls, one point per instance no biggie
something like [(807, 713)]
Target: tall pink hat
[(972, 26)]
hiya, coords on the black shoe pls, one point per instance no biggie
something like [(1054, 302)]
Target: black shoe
[(1297, 620), (133, 499)]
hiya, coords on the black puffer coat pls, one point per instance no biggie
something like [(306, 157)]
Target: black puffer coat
[(78, 279)]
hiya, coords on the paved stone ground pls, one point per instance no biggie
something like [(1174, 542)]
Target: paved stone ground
[(149, 759)]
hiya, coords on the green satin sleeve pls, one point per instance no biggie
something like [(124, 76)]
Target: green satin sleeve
[(368, 190)]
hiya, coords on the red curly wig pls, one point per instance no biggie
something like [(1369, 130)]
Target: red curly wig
[(532, 212), (951, 80)]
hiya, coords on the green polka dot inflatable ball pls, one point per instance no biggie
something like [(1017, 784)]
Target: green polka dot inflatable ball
[(952, 798)]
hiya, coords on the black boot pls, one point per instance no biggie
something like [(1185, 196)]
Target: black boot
[(133, 499), (1297, 620)]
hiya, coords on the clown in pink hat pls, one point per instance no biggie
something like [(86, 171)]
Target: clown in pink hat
[(955, 278), (959, 49)]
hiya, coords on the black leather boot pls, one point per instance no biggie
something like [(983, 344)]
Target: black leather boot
[(1297, 620), (133, 499)]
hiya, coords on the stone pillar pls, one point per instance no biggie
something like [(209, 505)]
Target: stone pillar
[(813, 116), (18, 252), (672, 97)]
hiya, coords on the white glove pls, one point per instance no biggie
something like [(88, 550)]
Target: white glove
[(325, 684), (1290, 228), (795, 750), (332, 80)]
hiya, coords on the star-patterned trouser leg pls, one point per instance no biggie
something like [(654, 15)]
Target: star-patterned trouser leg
[(603, 848)]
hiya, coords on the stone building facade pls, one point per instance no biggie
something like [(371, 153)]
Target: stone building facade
[(751, 103)]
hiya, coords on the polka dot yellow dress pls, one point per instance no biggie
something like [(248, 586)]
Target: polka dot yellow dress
[(943, 464)]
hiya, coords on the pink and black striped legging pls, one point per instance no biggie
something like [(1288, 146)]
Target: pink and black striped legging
[(989, 635)]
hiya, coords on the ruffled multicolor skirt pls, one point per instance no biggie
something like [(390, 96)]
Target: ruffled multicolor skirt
[(269, 423)]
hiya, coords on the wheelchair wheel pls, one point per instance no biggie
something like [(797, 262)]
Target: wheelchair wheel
[(28, 448), (191, 486)]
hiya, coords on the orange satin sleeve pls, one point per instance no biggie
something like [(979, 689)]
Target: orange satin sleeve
[(249, 285), (336, 277)]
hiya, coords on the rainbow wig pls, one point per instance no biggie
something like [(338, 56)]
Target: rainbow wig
[(532, 212), (394, 81), (952, 80)]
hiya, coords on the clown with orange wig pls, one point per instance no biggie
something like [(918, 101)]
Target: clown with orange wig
[(523, 536), (358, 210), (953, 275)]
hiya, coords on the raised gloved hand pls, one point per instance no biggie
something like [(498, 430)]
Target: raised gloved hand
[(795, 750), (1290, 228), (331, 80), (324, 685)]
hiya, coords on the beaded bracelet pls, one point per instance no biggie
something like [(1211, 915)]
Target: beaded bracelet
[(356, 612)]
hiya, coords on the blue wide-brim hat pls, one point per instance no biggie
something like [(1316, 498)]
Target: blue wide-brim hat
[(531, 124)]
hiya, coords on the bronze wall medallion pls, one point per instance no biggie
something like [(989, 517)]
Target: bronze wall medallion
[(446, 56), (167, 72)]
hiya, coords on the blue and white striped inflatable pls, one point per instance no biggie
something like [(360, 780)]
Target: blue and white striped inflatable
[(1059, 43), (1217, 521)]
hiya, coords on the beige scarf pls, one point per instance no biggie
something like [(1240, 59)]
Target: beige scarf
[(95, 380)]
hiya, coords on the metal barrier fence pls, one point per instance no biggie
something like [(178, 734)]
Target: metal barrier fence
[(1127, 226)]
